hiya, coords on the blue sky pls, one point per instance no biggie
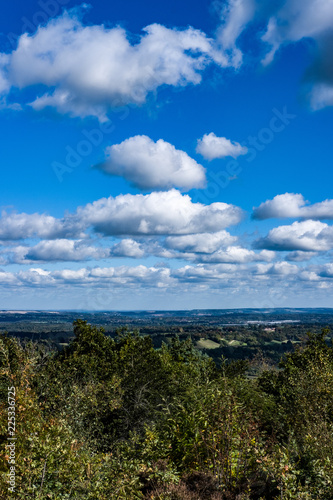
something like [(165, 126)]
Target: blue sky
[(166, 155)]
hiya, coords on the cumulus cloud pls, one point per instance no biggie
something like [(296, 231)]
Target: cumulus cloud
[(212, 147), (158, 213), (203, 273), (7, 278), (326, 271), (35, 276), (16, 226), (278, 268), (283, 268), (296, 20), (308, 235), (285, 22), (116, 276), (319, 77), (64, 250), (293, 205), (311, 276), (153, 165), (122, 276), (235, 16), (75, 251), (281, 206), (200, 243), (321, 96), (4, 83), (199, 248), (89, 69), (228, 278), (128, 248), (239, 255), (299, 256)]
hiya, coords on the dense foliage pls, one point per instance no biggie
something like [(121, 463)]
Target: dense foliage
[(115, 418)]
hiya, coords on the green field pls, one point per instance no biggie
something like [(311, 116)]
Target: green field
[(207, 344)]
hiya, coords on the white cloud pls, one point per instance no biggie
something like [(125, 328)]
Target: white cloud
[(205, 273), (200, 243), (72, 276), (235, 15), (87, 70), (35, 276), (153, 165), (115, 276), (281, 206), (7, 278), (152, 246), (123, 276), (90, 69), (308, 235), (285, 22), (283, 268), (278, 268), (128, 248), (237, 255), (296, 20), (16, 226), (205, 247), (4, 84), (59, 250), (212, 147), (326, 271), (158, 213), (321, 96), (308, 275), (293, 205), (99, 287), (64, 250), (322, 210), (299, 256)]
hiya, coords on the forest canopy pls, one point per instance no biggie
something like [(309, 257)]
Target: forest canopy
[(115, 418)]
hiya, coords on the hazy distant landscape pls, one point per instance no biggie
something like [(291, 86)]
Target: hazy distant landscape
[(232, 333)]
